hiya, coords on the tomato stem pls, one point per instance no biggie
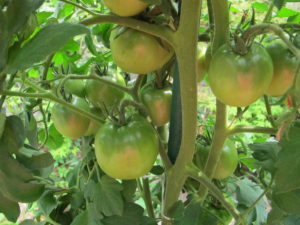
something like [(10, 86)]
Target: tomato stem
[(269, 111), (159, 31)]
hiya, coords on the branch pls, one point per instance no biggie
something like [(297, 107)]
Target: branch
[(255, 30), (196, 174), (252, 129), (164, 33)]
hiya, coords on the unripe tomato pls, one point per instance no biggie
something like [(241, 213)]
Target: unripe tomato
[(227, 163), (284, 64), (158, 103), (68, 122), (137, 52), (126, 8), (239, 80), (94, 126), (75, 87), (127, 152), (101, 94)]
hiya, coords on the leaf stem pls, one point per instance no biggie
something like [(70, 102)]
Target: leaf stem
[(252, 129), (147, 197), (269, 111), (80, 7)]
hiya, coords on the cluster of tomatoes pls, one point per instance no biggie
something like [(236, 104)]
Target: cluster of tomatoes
[(123, 150)]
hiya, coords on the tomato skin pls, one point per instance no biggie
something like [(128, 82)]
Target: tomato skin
[(70, 124), (239, 80), (227, 163), (158, 103), (284, 64), (126, 8), (101, 94), (75, 87), (94, 126), (137, 52), (126, 152)]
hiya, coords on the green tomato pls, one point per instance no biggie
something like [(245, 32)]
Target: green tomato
[(239, 80), (101, 94), (158, 103), (94, 126), (69, 123), (138, 52), (75, 87), (127, 152), (228, 159), (284, 64), (126, 8)]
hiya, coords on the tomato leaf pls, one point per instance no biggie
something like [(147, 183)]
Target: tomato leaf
[(129, 188), (18, 11), (4, 41), (106, 196), (266, 154), (47, 41), (13, 136), (2, 123), (175, 129), (247, 193), (193, 214), (133, 214), (55, 139), (9, 208), (47, 203), (287, 177)]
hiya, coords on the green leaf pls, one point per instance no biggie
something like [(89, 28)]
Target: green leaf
[(102, 32), (13, 136), (31, 129), (47, 41), (9, 208), (106, 195), (266, 154), (31, 222), (279, 3), (285, 12), (132, 215), (18, 11), (34, 160), (4, 41), (148, 221), (247, 193), (47, 203), (287, 177), (129, 188), (81, 218), (260, 7), (55, 139), (288, 201), (194, 214)]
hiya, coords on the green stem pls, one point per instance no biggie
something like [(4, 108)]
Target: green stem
[(147, 198), (252, 129), (269, 111), (255, 30), (80, 7), (268, 15), (44, 94), (186, 50), (196, 174), (221, 36), (159, 31)]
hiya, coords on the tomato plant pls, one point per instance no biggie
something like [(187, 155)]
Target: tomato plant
[(128, 8), (69, 123), (246, 77), (138, 52), (158, 103), (86, 143), (128, 151), (284, 64)]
